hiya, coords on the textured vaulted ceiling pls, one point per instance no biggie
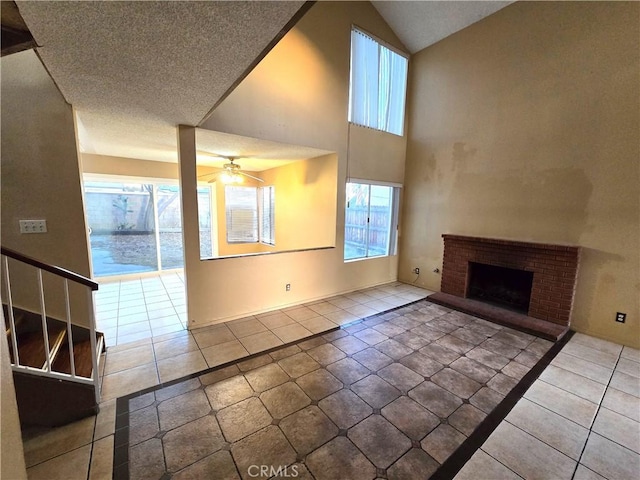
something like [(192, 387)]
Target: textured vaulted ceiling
[(422, 23), (133, 70)]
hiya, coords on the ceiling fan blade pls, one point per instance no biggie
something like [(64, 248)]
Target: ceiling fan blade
[(221, 156), (207, 174), (250, 176), (210, 154)]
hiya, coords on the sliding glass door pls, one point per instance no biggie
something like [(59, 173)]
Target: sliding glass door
[(134, 227), (122, 228)]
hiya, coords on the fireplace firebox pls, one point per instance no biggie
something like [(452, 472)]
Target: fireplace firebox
[(506, 287)]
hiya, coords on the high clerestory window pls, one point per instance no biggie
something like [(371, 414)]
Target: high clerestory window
[(378, 84)]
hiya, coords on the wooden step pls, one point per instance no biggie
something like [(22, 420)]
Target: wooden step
[(18, 320), (81, 357), (31, 346)]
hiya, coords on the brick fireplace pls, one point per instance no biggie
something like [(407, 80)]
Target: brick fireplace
[(548, 275)]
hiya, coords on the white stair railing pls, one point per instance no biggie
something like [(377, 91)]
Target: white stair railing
[(66, 276)]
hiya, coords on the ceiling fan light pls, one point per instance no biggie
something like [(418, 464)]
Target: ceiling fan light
[(226, 177)]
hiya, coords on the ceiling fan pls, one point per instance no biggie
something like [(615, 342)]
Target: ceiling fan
[(231, 172)]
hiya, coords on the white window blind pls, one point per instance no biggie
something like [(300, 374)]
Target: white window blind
[(267, 215), (378, 85), (241, 206)]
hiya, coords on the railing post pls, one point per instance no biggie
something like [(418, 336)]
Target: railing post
[(12, 322), (72, 360), (94, 349), (45, 331)]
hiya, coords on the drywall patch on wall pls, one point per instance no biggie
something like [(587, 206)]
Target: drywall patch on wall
[(461, 156)]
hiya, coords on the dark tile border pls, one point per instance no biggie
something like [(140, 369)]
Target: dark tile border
[(464, 452)]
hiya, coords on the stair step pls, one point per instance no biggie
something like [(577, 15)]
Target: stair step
[(81, 357), (18, 318), (31, 346)]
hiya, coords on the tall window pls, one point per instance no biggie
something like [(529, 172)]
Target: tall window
[(267, 215), (377, 86), (241, 204), (370, 220)]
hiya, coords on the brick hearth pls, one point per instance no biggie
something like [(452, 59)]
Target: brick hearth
[(554, 267)]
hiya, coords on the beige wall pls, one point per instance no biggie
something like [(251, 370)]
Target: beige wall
[(133, 167), (12, 464), (128, 167), (526, 126), (41, 180), (305, 207), (305, 203), (298, 95)]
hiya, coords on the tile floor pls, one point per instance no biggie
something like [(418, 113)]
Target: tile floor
[(151, 356), (153, 360), (392, 396), (579, 420), (142, 307), (422, 375)]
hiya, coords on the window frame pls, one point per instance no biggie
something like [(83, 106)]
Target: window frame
[(393, 220), (268, 238), (381, 44)]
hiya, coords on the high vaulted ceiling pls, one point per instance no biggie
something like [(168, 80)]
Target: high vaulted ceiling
[(134, 70), (422, 23)]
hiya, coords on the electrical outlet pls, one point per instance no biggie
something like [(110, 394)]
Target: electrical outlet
[(416, 271), (33, 226), (621, 317), (287, 287)]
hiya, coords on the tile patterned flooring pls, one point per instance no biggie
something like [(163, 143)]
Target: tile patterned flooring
[(388, 397), (154, 359), (140, 308), (579, 420)]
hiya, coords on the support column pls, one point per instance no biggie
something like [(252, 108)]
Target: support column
[(189, 205)]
